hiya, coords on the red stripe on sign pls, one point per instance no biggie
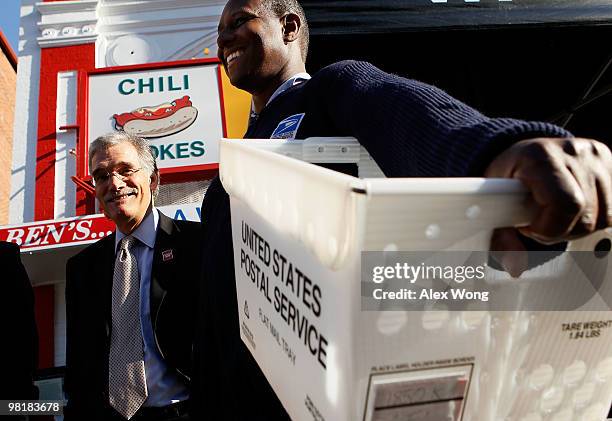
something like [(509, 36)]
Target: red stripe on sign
[(85, 202), (52, 61), (189, 173), (221, 100), (56, 233), (154, 66)]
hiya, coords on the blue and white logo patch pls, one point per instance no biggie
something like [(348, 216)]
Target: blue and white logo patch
[(287, 129)]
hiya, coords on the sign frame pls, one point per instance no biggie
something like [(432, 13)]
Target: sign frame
[(173, 174)]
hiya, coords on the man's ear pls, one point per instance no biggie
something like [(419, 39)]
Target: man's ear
[(154, 180), (291, 27)]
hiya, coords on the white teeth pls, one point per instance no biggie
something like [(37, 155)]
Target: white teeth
[(120, 196), (233, 56)]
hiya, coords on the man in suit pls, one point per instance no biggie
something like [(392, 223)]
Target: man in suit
[(130, 297), (19, 327)]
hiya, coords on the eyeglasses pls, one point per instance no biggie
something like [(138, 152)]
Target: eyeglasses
[(102, 177)]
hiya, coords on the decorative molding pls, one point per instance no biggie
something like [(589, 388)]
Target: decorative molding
[(61, 7), (65, 23), (121, 17), (174, 29), (157, 25), (195, 48), (122, 7), (132, 49)]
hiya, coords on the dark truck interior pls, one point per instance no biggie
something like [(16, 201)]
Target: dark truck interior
[(544, 60), (548, 60)]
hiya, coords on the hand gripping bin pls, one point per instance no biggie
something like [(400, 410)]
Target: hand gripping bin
[(299, 231)]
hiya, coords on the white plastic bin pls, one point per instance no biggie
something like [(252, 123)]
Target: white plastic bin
[(298, 233)]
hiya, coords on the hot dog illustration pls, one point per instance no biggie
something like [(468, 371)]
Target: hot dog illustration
[(159, 120)]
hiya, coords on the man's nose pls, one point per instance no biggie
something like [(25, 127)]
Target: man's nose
[(116, 181), (223, 38)]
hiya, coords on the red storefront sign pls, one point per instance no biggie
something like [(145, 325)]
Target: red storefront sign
[(58, 233)]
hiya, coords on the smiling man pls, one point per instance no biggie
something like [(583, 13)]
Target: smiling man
[(411, 129), (130, 297)]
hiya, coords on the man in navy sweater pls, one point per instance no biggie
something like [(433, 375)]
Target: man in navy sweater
[(409, 128)]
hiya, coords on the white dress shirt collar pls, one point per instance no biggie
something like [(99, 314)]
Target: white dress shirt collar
[(293, 80)]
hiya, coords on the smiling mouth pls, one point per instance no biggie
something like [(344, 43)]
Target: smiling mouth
[(120, 197), (232, 57)]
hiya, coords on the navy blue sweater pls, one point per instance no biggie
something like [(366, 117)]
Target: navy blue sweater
[(409, 128)]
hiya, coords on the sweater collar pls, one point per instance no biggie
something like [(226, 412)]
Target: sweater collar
[(292, 81)]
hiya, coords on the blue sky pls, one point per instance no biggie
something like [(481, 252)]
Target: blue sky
[(9, 21)]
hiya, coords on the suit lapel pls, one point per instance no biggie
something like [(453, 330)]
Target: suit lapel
[(104, 269), (164, 263)]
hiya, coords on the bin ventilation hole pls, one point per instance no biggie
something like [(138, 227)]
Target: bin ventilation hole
[(320, 149), (435, 319), (564, 415), (473, 212), (131, 53), (343, 149), (551, 399), (391, 322), (432, 231), (574, 373), (519, 377), (602, 248), (604, 369), (390, 248), (524, 325), (541, 377), (584, 395)]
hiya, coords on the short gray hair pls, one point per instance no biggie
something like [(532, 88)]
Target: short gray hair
[(143, 149)]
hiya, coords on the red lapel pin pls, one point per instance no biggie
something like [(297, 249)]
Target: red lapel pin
[(167, 255)]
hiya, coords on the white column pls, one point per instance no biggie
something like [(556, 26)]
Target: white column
[(25, 127), (65, 162)]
